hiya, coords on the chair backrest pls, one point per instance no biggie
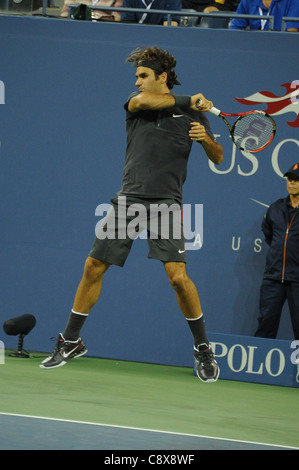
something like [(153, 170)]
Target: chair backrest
[(213, 22)]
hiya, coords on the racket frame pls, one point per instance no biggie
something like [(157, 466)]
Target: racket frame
[(218, 112)]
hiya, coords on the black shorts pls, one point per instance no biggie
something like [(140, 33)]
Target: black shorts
[(160, 221)]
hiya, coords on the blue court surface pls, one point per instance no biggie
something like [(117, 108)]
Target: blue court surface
[(34, 433)]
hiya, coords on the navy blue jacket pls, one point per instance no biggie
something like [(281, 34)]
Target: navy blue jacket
[(281, 229), (174, 5)]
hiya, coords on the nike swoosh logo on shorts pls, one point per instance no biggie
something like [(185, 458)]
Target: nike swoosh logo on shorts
[(182, 251), (177, 115)]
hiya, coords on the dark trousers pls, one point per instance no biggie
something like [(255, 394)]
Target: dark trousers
[(273, 295)]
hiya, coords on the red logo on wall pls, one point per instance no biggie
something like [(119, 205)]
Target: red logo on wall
[(276, 105)]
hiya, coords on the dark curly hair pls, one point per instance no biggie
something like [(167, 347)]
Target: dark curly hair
[(156, 56)]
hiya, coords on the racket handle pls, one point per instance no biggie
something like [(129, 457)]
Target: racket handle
[(215, 111)]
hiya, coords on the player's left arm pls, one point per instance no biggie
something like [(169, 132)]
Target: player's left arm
[(212, 148)]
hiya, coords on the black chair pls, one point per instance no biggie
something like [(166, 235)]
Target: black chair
[(20, 326), (214, 21)]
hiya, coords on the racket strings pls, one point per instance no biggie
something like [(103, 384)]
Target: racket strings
[(253, 131)]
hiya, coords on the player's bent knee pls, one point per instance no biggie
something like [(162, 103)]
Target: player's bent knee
[(178, 279), (94, 268)]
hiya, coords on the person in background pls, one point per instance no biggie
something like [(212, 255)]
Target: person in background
[(281, 277), (276, 8), (206, 6), (147, 18), (95, 14)]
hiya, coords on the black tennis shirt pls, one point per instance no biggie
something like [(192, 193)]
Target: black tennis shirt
[(158, 148)]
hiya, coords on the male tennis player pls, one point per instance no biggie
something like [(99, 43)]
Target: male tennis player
[(160, 129)]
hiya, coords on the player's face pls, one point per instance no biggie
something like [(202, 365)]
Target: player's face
[(147, 81)]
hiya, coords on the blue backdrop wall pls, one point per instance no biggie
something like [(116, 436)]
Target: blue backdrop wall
[(62, 132)]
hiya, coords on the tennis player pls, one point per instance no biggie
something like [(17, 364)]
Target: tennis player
[(161, 127)]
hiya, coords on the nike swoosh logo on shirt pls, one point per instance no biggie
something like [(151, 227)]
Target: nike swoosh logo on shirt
[(177, 115)]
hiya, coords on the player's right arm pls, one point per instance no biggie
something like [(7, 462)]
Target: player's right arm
[(147, 100)]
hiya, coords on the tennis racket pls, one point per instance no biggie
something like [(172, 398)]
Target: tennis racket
[(253, 131)]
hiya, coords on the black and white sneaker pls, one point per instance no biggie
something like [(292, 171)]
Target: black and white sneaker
[(205, 365), (63, 352)]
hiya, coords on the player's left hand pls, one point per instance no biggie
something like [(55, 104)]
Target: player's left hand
[(197, 132)]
